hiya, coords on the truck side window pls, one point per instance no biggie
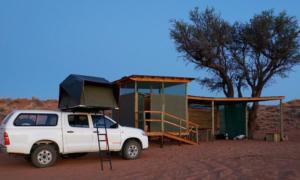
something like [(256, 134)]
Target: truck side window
[(80, 121), (98, 120), (27, 119)]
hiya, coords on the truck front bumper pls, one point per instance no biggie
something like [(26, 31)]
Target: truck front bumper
[(145, 142)]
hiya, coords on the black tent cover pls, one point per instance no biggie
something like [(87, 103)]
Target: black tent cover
[(86, 93)]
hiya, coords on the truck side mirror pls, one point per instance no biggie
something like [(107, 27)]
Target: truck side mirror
[(115, 126)]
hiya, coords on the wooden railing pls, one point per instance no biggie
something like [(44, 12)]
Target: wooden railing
[(186, 129)]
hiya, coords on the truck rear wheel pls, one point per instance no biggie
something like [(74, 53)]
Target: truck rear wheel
[(131, 150), (43, 156)]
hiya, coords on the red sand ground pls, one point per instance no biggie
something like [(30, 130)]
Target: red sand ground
[(211, 160), (246, 159)]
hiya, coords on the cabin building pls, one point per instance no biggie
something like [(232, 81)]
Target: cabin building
[(161, 106)]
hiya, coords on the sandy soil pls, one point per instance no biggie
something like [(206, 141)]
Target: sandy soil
[(246, 159)]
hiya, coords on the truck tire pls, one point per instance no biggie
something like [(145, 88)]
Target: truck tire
[(131, 150), (27, 158), (43, 156)]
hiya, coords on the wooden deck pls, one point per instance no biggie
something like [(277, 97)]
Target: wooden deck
[(171, 135), (187, 133)]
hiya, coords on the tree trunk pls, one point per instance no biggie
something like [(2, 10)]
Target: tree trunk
[(253, 112), (252, 119), (230, 89)]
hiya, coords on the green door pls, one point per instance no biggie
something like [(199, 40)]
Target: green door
[(233, 120)]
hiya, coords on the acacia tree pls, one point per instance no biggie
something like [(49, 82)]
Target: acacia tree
[(241, 55)]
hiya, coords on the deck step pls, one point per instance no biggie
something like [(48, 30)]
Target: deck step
[(171, 136)]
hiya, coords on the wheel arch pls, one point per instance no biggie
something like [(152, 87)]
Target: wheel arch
[(134, 139), (45, 141)]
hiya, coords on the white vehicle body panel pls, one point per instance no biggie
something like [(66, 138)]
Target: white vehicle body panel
[(68, 139), (76, 139)]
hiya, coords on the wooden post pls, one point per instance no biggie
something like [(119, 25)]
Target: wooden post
[(281, 121), (144, 119), (213, 120), (162, 129), (246, 120), (187, 107), (180, 124), (162, 115), (186, 113), (197, 134), (163, 109), (136, 105)]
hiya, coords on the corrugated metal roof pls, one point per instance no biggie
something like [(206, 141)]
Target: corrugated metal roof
[(202, 99), (151, 78)]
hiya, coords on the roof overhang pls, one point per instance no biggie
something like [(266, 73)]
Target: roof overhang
[(216, 100), (149, 78)]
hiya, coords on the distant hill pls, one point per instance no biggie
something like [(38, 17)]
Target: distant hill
[(268, 118), (267, 121), (8, 105)]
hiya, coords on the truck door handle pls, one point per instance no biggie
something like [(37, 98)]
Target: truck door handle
[(70, 131)]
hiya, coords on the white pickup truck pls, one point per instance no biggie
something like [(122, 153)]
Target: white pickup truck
[(43, 135)]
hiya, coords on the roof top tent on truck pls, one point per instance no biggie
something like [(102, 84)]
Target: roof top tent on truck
[(86, 93), (89, 94)]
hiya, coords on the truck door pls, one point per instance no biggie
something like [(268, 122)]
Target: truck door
[(77, 134), (113, 133)]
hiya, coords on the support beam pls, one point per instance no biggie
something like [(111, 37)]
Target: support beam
[(162, 141), (213, 120), (281, 121), (144, 122), (186, 105), (136, 104), (246, 120), (162, 114), (163, 108)]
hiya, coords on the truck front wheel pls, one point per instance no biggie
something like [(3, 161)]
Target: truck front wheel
[(43, 156), (131, 150)]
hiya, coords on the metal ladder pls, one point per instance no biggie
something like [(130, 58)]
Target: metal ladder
[(106, 151)]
